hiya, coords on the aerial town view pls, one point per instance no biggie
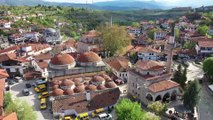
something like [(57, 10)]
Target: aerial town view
[(106, 59)]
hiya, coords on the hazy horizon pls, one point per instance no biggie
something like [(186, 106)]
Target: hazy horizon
[(193, 3)]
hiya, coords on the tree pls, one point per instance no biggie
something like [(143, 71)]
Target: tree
[(177, 74), (128, 110), (203, 30), (177, 34), (189, 45), (183, 78), (24, 111), (135, 24), (151, 33), (208, 68), (191, 95), (7, 99), (114, 37), (158, 107)]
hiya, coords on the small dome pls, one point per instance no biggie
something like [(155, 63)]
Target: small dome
[(55, 82), (88, 57), (106, 77), (98, 79), (79, 88), (91, 87), (62, 59), (101, 87), (55, 87), (110, 85), (67, 82), (57, 92), (77, 80), (68, 92)]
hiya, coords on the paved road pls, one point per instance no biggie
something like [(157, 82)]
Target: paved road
[(32, 99)]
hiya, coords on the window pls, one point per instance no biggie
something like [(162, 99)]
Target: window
[(147, 73)]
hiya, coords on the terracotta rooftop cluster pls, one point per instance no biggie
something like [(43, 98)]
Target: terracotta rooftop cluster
[(79, 85)]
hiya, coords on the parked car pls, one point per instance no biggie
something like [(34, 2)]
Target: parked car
[(43, 95), (67, 118), (26, 92), (40, 88), (11, 82), (28, 85), (40, 82), (105, 116), (43, 103), (7, 88), (17, 79)]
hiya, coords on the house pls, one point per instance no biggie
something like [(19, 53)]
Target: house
[(51, 36), (32, 36), (119, 67), (132, 30), (11, 49), (3, 42), (190, 27), (4, 24), (3, 76), (204, 47), (17, 38), (89, 41), (148, 82), (141, 40), (160, 35), (14, 65), (148, 53)]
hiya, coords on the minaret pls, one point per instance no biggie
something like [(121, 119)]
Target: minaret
[(169, 48)]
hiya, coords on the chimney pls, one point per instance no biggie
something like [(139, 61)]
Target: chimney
[(88, 96)]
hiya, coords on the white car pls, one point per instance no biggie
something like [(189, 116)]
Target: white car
[(105, 116)]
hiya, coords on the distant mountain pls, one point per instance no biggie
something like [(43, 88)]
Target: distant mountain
[(111, 5)]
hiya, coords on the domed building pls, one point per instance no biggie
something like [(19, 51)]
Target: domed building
[(101, 87), (68, 92), (97, 80), (67, 84), (89, 59), (57, 92), (110, 85), (80, 88), (62, 61), (91, 87)]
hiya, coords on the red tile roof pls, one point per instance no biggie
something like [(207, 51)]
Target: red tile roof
[(12, 116), (99, 99), (42, 65), (10, 49), (2, 87), (88, 57), (3, 73), (162, 85), (118, 63), (8, 56), (62, 59), (206, 43), (149, 65), (149, 50), (44, 56)]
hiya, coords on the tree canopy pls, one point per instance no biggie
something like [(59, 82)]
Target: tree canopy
[(151, 33), (23, 110), (158, 107), (114, 37), (180, 76), (191, 95), (208, 68), (203, 30), (128, 110)]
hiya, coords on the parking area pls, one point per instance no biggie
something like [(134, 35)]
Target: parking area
[(32, 99)]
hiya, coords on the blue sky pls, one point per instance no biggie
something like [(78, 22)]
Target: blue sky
[(168, 2)]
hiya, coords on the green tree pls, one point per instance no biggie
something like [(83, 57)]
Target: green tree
[(203, 30), (7, 99), (177, 34), (114, 37), (158, 108), (24, 111), (189, 45), (191, 95), (128, 110), (208, 68), (183, 78), (177, 74), (151, 33), (135, 24)]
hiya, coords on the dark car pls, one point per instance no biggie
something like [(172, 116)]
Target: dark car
[(28, 85), (11, 82), (26, 92)]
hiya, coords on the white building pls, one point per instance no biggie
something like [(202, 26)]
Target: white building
[(51, 36), (160, 35), (204, 47), (148, 53), (119, 67), (5, 24)]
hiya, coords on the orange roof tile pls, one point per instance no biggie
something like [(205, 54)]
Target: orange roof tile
[(12, 116), (149, 65), (119, 63), (206, 43), (2, 87), (3, 73), (162, 85), (42, 65)]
